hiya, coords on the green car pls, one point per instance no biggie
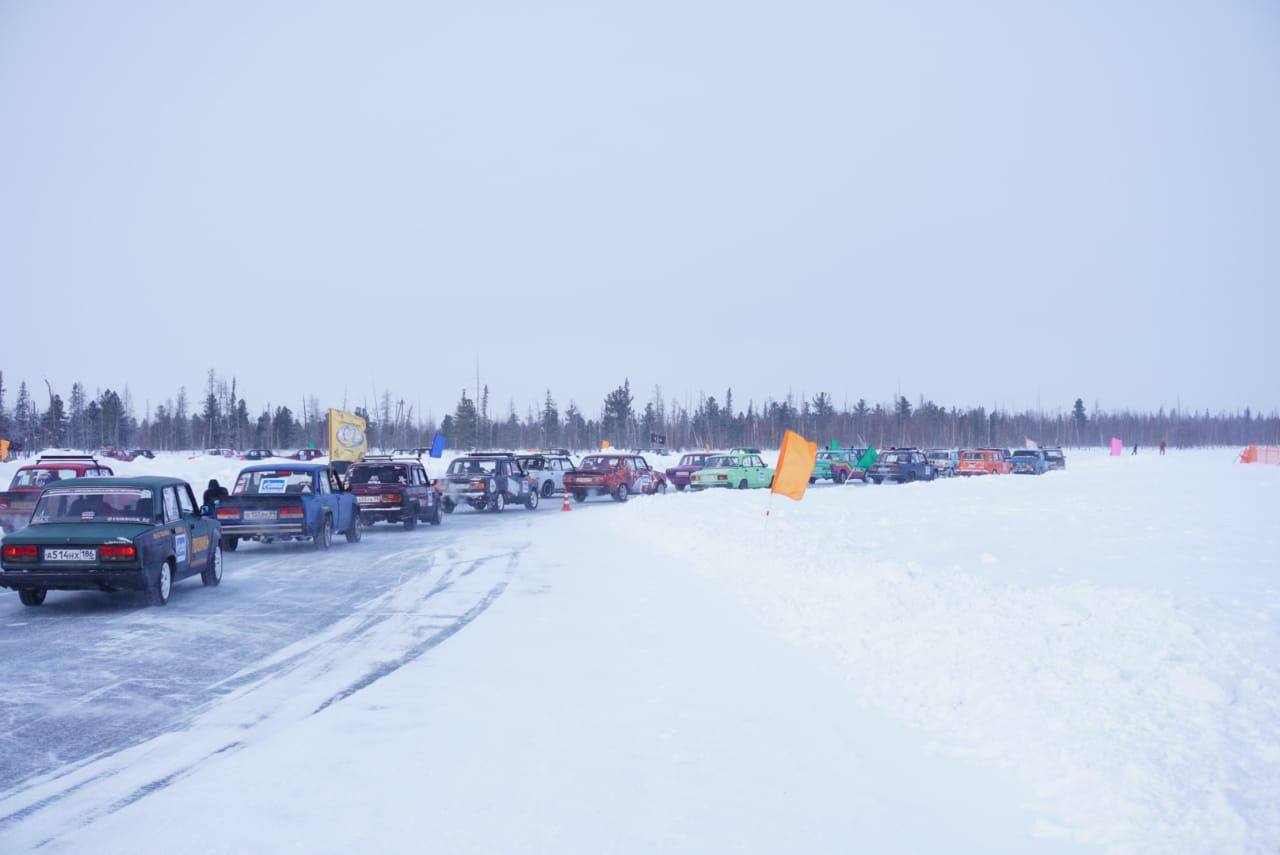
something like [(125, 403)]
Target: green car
[(838, 464), (736, 470), (112, 534)]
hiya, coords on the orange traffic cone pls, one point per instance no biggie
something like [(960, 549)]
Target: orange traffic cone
[(565, 506)]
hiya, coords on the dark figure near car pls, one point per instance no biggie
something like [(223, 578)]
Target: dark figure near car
[(215, 492)]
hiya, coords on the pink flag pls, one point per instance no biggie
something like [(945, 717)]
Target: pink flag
[(1117, 447)]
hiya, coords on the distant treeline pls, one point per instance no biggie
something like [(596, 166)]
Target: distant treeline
[(221, 418)]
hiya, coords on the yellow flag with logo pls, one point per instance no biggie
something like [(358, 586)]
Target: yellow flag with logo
[(347, 438), (795, 465)]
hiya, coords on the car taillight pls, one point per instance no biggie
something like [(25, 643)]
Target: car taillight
[(20, 553), (228, 514), (290, 512), (391, 498), (117, 552), (722, 477)]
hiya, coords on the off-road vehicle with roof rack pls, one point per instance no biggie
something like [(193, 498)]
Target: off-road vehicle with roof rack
[(488, 480), (395, 490)]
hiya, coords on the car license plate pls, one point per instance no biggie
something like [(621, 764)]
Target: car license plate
[(368, 500), (71, 555), (259, 515)]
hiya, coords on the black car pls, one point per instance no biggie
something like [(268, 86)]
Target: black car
[(143, 452), (488, 481), (258, 454), (902, 465)]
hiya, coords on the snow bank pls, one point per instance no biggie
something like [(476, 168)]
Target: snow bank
[(1109, 633)]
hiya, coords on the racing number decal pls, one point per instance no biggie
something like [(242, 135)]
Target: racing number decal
[(180, 545)]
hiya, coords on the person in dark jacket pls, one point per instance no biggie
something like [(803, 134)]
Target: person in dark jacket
[(215, 492)]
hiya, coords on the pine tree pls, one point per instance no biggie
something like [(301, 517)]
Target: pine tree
[(617, 414), (465, 423), (75, 424), (550, 421), (24, 418)]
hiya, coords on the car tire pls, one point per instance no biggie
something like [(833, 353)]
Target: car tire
[(813, 480), (410, 518), (742, 485), (579, 495), (680, 487), (212, 574), (448, 505), (876, 480), (158, 591), (620, 494), (356, 530), (33, 596), (662, 488), (323, 539), (498, 503), (548, 489), (531, 501), (435, 517), (229, 543)]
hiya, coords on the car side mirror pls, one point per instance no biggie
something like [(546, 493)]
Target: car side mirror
[(202, 511)]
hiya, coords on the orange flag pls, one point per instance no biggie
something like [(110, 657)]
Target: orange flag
[(795, 465)]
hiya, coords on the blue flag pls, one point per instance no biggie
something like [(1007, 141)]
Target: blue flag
[(437, 445)]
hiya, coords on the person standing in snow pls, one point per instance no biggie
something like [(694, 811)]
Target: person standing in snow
[(1135, 448), (1162, 448)]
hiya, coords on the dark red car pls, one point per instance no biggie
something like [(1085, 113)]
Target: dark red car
[(679, 474), (306, 454), (391, 490), (615, 475), (28, 482)]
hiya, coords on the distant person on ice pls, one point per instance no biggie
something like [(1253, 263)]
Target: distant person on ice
[(1162, 448), (215, 492), (1135, 448)]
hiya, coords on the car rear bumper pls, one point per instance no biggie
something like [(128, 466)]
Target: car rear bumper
[(264, 530), (76, 580)]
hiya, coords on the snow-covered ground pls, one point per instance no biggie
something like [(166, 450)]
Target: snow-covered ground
[(1086, 660)]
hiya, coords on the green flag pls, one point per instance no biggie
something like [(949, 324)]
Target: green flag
[(868, 458)]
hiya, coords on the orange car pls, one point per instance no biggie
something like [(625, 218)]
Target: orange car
[(984, 461)]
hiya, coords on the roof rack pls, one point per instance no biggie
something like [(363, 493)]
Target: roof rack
[(490, 454), (86, 458)]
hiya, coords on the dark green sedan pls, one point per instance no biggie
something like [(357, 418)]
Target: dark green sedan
[(112, 534)]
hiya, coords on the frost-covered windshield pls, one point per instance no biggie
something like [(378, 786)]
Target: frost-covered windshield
[(379, 475), (88, 505), (40, 477), (273, 482), (473, 467)]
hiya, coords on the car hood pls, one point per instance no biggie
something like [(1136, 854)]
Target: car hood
[(77, 533)]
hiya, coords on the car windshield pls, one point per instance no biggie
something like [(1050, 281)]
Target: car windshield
[(825, 455), (379, 475), (693, 460), (1026, 454), (893, 458), (94, 504), (972, 455), (939, 455), (533, 462), (40, 477), (596, 462), (473, 467), (1053, 455), (273, 481)]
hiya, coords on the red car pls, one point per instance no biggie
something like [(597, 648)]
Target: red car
[(306, 454), (393, 490), (615, 475), (984, 461), (28, 482)]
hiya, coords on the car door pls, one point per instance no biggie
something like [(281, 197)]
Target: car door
[(179, 530), (343, 502), (199, 529), (322, 490)]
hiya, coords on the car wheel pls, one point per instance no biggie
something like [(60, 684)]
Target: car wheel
[(531, 501), (158, 591), (356, 531), (229, 543), (410, 519), (875, 480), (448, 505), (212, 574), (742, 485), (436, 517), (548, 488), (33, 596), (680, 487), (662, 488), (324, 538), (620, 494), (499, 502), (579, 495), (812, 480)]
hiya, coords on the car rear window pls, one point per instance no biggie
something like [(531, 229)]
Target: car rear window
[(89, 505), (379, 475), (273, 482)]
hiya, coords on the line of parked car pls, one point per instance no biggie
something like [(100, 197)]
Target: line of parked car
[(72, 524)]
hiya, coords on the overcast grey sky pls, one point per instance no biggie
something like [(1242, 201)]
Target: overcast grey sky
[(975, 202)]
